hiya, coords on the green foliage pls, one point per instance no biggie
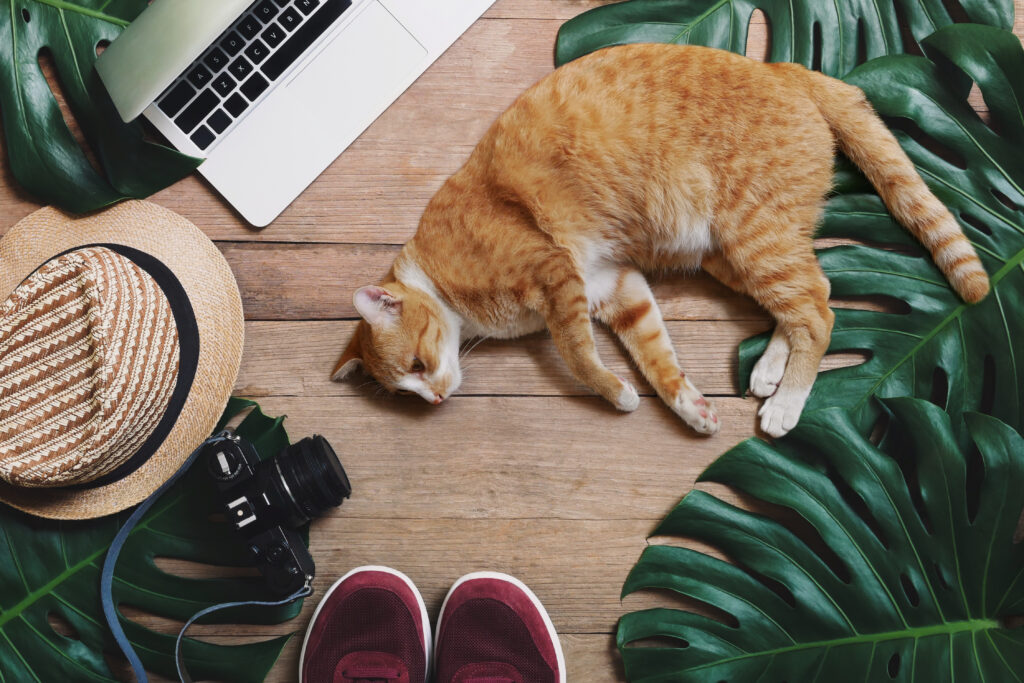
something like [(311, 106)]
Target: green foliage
[(44, 156), (908, 574), (54, 568), (833, 37), (966, 357)]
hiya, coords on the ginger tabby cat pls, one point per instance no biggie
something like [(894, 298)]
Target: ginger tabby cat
[(644, 158)]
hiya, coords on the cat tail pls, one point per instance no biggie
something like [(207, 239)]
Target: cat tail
[(866, 140)]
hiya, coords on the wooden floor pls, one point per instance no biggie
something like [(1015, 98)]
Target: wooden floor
[(523, 471)]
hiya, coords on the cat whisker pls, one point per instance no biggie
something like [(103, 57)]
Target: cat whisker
[(472, 344)]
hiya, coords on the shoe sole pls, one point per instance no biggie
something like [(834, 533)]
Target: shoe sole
[(559, 656), (424, 619)]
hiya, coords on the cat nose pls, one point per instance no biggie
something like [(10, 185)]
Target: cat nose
[(437, 399)]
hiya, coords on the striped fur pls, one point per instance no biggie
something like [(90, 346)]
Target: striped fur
[(644, 158), (88, 362)]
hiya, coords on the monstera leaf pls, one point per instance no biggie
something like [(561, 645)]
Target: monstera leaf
[(48, 568), (832, 37), (910, 572), (44, 156), (964, 357)]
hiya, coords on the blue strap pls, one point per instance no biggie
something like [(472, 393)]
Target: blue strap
[(107, 579), (179, 658)]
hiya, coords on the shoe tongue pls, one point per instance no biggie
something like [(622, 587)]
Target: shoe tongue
[(371, 667)]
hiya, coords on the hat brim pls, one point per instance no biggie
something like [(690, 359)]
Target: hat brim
[(211, 288)]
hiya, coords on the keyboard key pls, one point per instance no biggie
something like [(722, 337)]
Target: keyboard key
[(254, 86), (282, 3), (216, 60), (199, 76), (299, 41), (289, 19), (177, 98), (265, 11), (307, 6), (257, 51), (197, 111), (273, 35), (232, 44), (240, 68), (236, 104), (219, 121), (202, 137), (249, 27), (224, 84)]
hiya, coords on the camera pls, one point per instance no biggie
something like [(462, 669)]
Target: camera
[(268, 500)]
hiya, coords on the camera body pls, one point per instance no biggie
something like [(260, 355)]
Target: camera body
[(267, 501)]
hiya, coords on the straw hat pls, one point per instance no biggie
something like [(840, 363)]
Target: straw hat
[(120, 339)]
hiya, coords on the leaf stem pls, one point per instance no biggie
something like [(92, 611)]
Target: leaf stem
[(947, 628), (85, 11), (1012, 263)]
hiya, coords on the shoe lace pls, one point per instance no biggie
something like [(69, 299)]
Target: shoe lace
[(371, 674)]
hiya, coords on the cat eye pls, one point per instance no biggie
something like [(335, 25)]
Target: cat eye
[(417, 365)]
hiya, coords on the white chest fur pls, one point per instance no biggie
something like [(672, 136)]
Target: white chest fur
[(526, 323)]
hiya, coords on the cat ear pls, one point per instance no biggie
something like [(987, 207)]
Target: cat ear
[(350, 360), (377, 305)]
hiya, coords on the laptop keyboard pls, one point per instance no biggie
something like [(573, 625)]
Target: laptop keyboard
[(242, 63)]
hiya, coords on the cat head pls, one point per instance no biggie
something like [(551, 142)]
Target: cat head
[(406, 341)]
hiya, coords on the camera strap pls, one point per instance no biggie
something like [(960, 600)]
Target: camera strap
[(179, 659), (107, 579)]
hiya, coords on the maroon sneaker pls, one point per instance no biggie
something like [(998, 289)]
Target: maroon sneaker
[(370, 626), (493, 629)]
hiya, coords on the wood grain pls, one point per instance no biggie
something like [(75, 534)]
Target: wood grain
[(511, 457), (524, 471)]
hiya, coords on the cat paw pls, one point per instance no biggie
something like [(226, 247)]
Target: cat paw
[(767, 373), (781, 412), (628, 399), (698, 414)]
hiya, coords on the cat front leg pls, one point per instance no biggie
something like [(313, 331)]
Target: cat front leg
[(568, 319), (632, 313)]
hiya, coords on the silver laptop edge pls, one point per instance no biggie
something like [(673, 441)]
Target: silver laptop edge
[(321, 103)]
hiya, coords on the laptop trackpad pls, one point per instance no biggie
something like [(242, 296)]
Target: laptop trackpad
[(355, 76)]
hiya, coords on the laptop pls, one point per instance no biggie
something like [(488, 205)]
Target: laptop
[(271, 92)]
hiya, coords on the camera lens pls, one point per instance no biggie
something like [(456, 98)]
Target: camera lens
[(312, 477)]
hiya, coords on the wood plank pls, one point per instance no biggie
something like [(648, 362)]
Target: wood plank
[(285, 358), (563, 10), (316, 282), (511, 457), (576, 567)]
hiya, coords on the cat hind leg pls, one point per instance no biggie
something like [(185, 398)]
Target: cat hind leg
[(771, 366), (798, 300)]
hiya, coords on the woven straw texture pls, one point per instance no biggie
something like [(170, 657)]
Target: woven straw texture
[(115, 393), (88, 362)]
